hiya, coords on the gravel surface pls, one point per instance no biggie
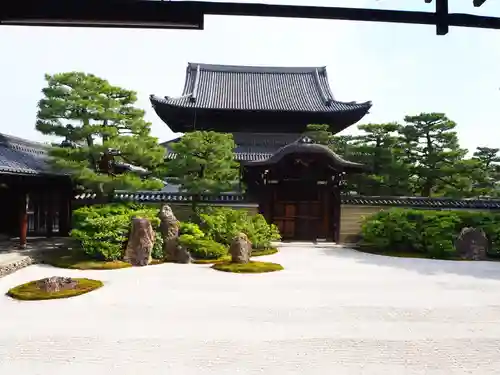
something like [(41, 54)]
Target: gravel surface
[(332, 311)]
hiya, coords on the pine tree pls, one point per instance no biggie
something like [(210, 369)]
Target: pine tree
[(378, 148), (204, 164), (432, 152), (488, 160), (93, 117)]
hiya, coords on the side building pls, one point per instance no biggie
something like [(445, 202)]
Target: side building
[(35, 200), (295, 182)]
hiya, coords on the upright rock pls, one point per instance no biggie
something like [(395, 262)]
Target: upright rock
[(140, 243), (169, 229), (472, 244), (241, 249), (182, 255), (56, 283)]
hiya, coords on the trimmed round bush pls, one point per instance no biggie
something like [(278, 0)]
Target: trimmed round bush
[(250, 267), (203, 248), (31, 292)]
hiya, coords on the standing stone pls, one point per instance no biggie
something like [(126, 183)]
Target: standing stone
[(169, 229), (56, 283), (472, 244), (183, 255), (140, 243), (241, 249)]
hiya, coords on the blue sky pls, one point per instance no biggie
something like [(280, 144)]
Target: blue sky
[(403, 69)]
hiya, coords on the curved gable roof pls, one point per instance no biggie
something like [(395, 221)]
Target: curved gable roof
[(305, 145)]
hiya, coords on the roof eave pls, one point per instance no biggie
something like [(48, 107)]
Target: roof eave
[(164, 104), (308, 149)]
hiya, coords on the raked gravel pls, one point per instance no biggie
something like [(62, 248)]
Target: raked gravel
[(331, 311)]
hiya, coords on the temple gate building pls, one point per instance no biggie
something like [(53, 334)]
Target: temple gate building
[(295, 182)]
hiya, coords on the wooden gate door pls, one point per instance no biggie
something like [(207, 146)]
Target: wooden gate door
[(284, 218), (300, 221), (308, 221)]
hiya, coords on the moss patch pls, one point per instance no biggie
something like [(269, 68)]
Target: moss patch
[(156, 261), (227, 258), (251, 267), (262, 252), (224, 259), (31, 292), (80, 262)]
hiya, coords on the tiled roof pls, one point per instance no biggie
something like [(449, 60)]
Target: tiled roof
[(258, 89), (236, 198), (155, 196), (423, 202), (250, 146), (259, 147), (22, 156)]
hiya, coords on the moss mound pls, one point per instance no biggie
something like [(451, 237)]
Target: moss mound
[(227, 258), (31, 292), (262, 252), (250, 267), (77, 261), (213, 261)]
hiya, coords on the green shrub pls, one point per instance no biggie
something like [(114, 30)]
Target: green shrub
[(191, 229), (428, 232), (157, 252), (202, 248), (102, 230), (221, 224), (261, 233)]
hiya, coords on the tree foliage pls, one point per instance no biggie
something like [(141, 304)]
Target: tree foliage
[(93, 116), (204, 163), (419, 157)]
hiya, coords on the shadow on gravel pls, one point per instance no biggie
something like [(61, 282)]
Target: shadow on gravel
[(478, 269)]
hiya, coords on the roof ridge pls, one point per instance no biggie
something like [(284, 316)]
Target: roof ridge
[(257, 69), (7, 140)]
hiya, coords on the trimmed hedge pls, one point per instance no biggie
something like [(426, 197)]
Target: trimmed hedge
[(432, 233)]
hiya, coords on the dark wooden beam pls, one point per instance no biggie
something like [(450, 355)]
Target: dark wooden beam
[(442, 13), (101, 13), (190, 14), (441, 20)]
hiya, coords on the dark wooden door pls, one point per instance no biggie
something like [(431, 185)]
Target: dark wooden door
[(301, 221), (284, 218), (308, 220)]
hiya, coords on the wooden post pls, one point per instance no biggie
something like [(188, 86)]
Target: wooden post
[(48, 202), (65, 213), (23, 225)]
